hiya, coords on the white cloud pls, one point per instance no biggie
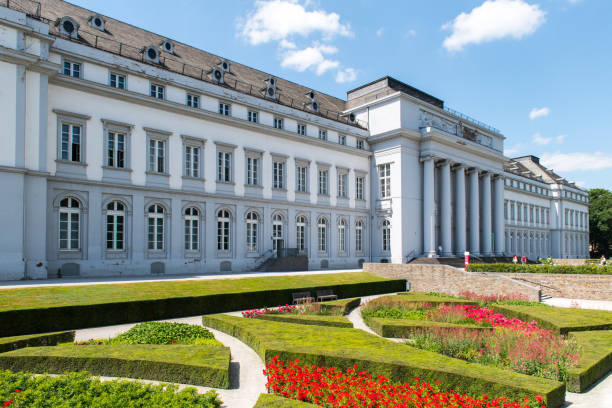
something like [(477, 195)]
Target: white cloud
[(577, 161), (560, 139), (410, 33), (276, 20), (380, 31), (287, 44), (493, 20), (543, 141), (580, 183), (539, 113), (346, 75), (311, 58), (513, 151)]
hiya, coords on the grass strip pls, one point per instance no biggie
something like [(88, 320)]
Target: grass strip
[(595, 360), (46, 309), (276, 401), (403, 327), (560, 319), (343, 348), (542, 268), (35, 340), (316, 320), (205, 365)]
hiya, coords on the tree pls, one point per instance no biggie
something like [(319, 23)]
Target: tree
[(600, 221)]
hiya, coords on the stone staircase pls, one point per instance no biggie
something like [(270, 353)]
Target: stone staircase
[(284, 264)]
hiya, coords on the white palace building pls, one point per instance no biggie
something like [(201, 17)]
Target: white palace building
[(129, 153)]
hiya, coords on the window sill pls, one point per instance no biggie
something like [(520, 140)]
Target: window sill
[(253, 186), (281, 190), (194, 178), (154, 173), (302, 192), (117, 169), (74, 163), (229, 183)]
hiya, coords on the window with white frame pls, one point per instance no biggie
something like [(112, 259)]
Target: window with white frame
[(157, 155), (155, 216), (278, 174), (191, 217), (301, 129), (323, 181), (360, 144), (342, 139), (386, 236), (384, 177), (157, 91), (278, 123), (512, 217), (342, 180), (115, 153), (70, 149), (252, 222), (69, 224), (192, 161), (72, 69), (115, 226), (193, 100), (359, 183), (322, 134), (117, 80), (277, 232), (224, 109), (301, 172), (322, 234), (300, 226), (253, 116), (342, 236), (223, 230), (224, 166), (252, 175), (506, 209), (359, 236)]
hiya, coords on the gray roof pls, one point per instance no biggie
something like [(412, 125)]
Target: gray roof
[(530, 167)]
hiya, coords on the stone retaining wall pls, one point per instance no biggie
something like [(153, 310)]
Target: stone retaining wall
[(594, 287)]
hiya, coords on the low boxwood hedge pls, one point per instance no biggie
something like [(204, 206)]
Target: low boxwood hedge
[(595, 359), (36, 310), (344, 305), (434, 299), (276, 401), (205, 365), (35, 340), (403, 327), (561, 320), (316, 320), (344, 348), (541, 268)]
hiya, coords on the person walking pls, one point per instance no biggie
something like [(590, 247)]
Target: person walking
[(603, 261)]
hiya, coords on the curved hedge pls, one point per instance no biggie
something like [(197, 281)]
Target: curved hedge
[(316, 320), (344, 305), (403, 327), (541, 268), (35, 340), (595, 359), (276, 401)]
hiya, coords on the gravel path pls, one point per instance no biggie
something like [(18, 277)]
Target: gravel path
[(580, 303)]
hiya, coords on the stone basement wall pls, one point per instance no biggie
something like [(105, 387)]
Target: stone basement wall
[(594, 287), (452, 281)]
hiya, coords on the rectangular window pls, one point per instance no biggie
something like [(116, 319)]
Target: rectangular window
[(157, 91), (505, 210), (253, 116), (342, 139), (566, 217), (547, 216), (224, 167), (192, 161), (278, 123), (193, 101), (322, 134), (342, 178), (252, 171), (72, 69), (519, 212), (224, 109), (116, 150), (537, 215), (301, 129), (531, 214), (301, 177), (512, 217), (323, 173), (359, 237), (157, 154), (384, 176), (359, 187), (360, 144), (278, 175), (71, 143), (117, 81)]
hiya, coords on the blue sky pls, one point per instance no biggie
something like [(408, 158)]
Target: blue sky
[(540, 71)]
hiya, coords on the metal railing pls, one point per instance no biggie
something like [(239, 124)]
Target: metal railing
[(470, 119)]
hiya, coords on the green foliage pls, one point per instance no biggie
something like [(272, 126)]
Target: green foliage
[(205, 365), (397, 328), (595, 359), (162, 333), (317, 320), (80, 390), (34, 340), (343, 348), (587, 269), (276, 401), (32, 310), (546, 261), (344, 306), (600, 221)]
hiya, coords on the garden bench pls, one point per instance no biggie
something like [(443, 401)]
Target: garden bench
[(301, 297), (326, 294)]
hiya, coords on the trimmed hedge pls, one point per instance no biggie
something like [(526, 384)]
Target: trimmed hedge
[(276, 401), (595, 360), (403, 327), (205, 365), (316, 320), (346, 305), (344, 348), (541, 268), (69, 307), (561, 320), (35, 340), (438, 299)]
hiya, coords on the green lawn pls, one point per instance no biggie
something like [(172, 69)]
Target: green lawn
[(343, 348), (595, 360), (316, 320)]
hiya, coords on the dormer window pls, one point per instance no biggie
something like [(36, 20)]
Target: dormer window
[(151, 54), (167, 46), (96, 21), (68, 26)]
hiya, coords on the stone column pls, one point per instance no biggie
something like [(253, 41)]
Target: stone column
[(498, 225), (460, 217), (445, 209), (429, 247), (486, 215), (474, 214)]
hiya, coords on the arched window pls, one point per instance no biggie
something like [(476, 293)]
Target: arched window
[(115, 226), (322, 234), (223, 230), (192, 229), (70, 224), (277, 232), (252, 220), (359, 236), (301, 233), (341, 236), (156, 227), (386, 235)]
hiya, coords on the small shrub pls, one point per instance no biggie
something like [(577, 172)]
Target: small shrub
[(546, 261), (163, 333)]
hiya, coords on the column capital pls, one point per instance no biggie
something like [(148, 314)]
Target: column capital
[(470, 170), (457, 166), (443, 162), (427, 157)]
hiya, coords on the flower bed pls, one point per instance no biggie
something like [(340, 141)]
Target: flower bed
[(330, 387)]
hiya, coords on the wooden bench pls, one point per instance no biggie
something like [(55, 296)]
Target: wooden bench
[(326, 294), (302, 297)]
